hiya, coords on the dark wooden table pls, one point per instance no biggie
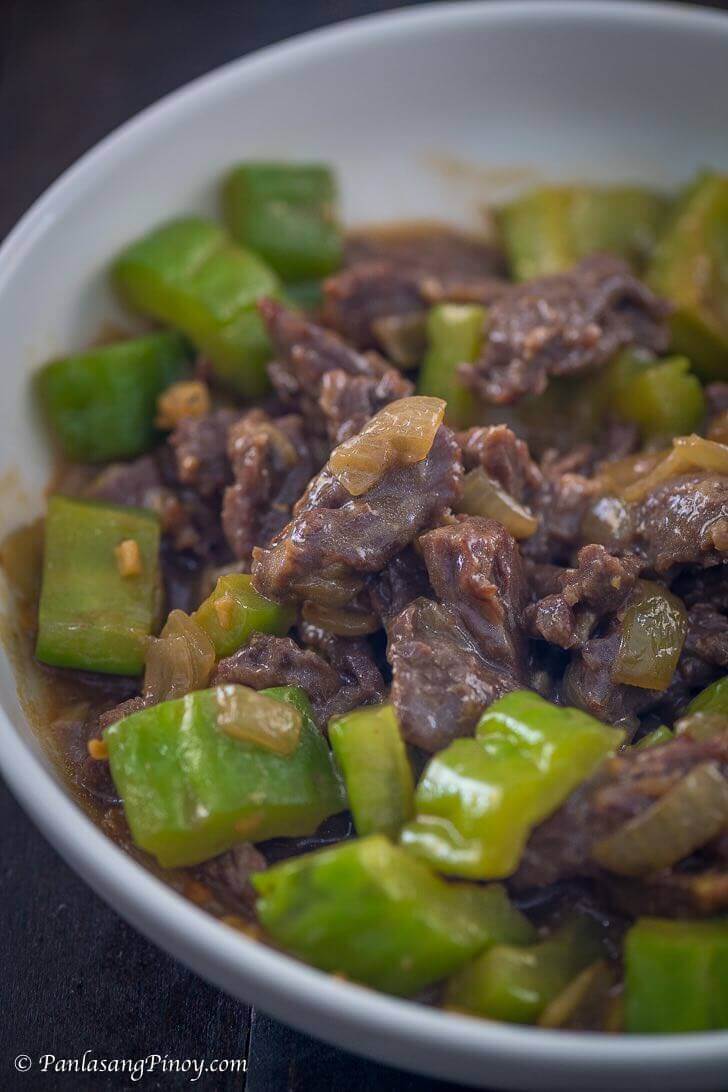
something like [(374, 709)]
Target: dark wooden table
[(74, 976)]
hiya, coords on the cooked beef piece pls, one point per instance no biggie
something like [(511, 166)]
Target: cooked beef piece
[(684, 521), (118, 712), (352, 657), (348, 680), (705, 655), (137, 484), (560, 504), (625, 787), (441, 683), (333, 533), (228, 878), (616, 440), (271, 463), (672, 893), (597, 587), (348, 401), (475, 566), (589, 684), (716, 395), (401, 273), (200, 450), (565, 324), (403, 579), (504, 457)]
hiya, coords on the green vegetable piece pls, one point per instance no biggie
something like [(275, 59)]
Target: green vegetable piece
[(101, 404), (191, 791), (663, 400), (516, 984), (676, 976), (367, 910), (308, 295), (189, 275), (478, 800), (93, 614), (550, 229), (371, 753), (653, 634), (690, 267), (286, 213), (455, 335), (234, 610), (713, 699), (661, 734)]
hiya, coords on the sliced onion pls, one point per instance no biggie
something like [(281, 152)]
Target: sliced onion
[(585, 1004), (179, 661), (607, 519), (252, 717), (653, 634), (702, 726), (333, 586), (401, 433), (339, 620), (683, 820), (484, 497), (688, 453)]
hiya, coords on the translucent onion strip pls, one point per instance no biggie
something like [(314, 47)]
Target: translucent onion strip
[(401, 433), (252, 717), (688, 453), (179, 661), (653, 634), (683, 820), (484, 497), (341, 621)]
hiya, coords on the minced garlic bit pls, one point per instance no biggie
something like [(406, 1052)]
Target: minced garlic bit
[(98, 748), (224, 609), (188, 398), (128, 558)]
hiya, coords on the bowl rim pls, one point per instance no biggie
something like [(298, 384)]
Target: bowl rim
[(229, 959)]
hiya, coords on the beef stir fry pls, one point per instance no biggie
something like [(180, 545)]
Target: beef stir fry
[(399, 572)]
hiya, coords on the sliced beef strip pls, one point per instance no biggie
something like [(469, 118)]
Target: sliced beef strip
[(441, 683), (272, 463), (595, 589), (331, 531), (589, 684), (403, 579), (565, 324), (348, 401), (705, 655), (437, 250), (626, 786), (352, 657), (228, 878), (503, 457), (560, 504), (476, 567), (200, 450), (334, 686)]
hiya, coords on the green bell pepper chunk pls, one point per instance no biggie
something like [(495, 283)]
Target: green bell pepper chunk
[(187, 274), (714, 699), (91, 616), (191, 791), (234, 610), (101, 404), (663, 400), (517, 983), (661, 734), (369, 748), (308, 295), (676, 976), (286, 213), (367, 910), (478, 799), (455, 335), (690, 267), (550, 229)]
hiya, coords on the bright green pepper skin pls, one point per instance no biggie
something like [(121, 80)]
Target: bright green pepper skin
[(455, 335), (248, 612), (101, 404), (187, 274), (367, 910), (285, 213), (478, 799), (90, 616), (517, 983), (661, 734), (663, 400), (372, 756), (690, 267), (550, 229), (676, 976), (714, 699), (190, 791)]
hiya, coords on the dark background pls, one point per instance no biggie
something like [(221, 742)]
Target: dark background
[(74, 975)]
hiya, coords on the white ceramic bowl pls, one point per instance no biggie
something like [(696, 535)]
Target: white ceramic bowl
[(398, 103)]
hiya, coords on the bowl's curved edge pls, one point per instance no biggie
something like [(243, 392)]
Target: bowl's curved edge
[(399, 1032)]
